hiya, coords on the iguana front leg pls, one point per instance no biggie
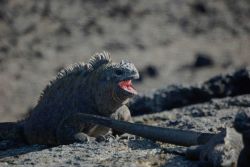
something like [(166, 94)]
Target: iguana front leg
[(123, 114), (70, 130), (73, 129)]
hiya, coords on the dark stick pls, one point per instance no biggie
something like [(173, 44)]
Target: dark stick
[(168, 135)]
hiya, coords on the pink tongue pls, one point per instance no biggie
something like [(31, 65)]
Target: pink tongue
[(127, 85)]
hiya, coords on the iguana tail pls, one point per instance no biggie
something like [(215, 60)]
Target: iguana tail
[(11, 131), (169, 135)]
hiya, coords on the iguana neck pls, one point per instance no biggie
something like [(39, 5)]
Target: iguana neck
[(105, 99)]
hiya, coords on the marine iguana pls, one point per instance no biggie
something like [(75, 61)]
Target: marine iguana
[(99, 87)]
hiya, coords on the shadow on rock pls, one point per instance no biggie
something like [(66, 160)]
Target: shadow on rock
[(21, 150), (143, 144)]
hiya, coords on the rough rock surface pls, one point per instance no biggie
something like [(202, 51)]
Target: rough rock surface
[(40, 37), (211, 116)]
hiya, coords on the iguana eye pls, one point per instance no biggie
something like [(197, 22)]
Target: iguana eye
[(118, 72)]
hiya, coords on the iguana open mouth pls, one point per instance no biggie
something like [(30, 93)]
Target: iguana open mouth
[(127, 86)]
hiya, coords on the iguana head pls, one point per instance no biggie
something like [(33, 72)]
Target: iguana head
[(113, 80), (119, 77)]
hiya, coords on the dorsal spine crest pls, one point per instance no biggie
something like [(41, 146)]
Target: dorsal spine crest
[(95, 62), (99, 59)]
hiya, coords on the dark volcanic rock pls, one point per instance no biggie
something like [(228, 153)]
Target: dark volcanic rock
[(167, 98), (199, 7), (150, 71), (203, 60), (233, 84), (242, 125)]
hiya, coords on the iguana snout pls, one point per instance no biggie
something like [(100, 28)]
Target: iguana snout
[(127, 73), (127, 86), (117, 78), (124, 73)]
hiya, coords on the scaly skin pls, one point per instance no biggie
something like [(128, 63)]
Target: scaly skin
[(93, 88)]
